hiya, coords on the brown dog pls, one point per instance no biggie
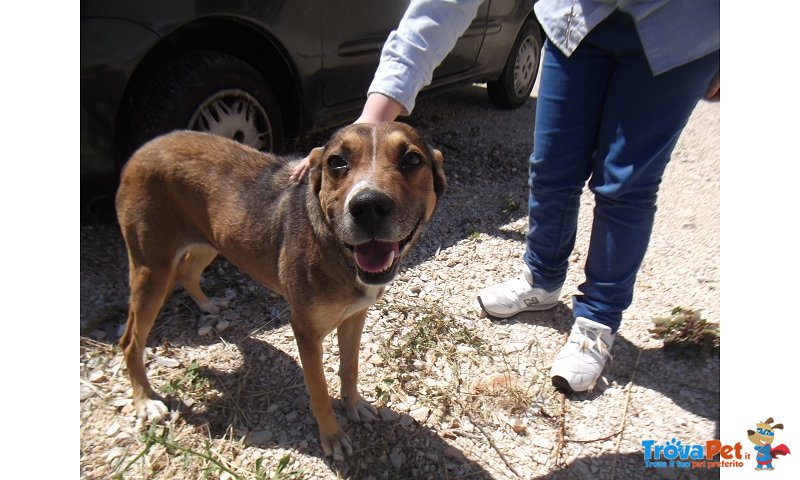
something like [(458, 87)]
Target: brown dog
[(329, 245)]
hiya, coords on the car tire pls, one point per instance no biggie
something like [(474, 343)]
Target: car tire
[(515, 84), (211, 92)]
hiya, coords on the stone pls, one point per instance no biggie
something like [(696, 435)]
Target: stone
[(396, 458), (167, 362), (223, 325), (420, 414)]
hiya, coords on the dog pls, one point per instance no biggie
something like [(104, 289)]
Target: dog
[(763, 438), (329, 244)]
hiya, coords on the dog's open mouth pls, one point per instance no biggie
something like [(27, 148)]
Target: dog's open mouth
[(376, 257), (377, 260)]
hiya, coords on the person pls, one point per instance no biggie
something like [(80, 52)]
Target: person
[(619, 81)]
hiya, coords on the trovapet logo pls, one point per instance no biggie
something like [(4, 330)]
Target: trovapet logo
[(714, 454), (676, 454)]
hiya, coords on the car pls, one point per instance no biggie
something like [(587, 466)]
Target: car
[(263, 71)]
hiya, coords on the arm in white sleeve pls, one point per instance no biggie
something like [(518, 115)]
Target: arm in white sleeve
[(426, 34)]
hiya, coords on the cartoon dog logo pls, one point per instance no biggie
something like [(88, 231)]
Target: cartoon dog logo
[(763, 438)]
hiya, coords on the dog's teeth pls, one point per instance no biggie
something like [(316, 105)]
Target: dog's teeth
[(390, 262)]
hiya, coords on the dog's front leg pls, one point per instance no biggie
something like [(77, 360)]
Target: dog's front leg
[(333, 439), (349, 333)]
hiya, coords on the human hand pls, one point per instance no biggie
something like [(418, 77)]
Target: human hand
[(713, 92), (378, 108), (300, 170)]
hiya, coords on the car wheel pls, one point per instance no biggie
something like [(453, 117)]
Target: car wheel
[(514, 86), (209, 92)]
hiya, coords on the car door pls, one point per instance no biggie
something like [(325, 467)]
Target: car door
[(353, 33)]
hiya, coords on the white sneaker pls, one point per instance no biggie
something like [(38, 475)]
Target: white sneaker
[(513, 296), (579, 363)]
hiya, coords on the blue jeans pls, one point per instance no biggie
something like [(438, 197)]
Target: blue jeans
[(602, 116)]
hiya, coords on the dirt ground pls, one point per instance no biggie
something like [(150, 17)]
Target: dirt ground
[(460, 395)]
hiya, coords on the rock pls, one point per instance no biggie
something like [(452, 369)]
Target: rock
[(514, 347), (465, 349), (454, 453), (86, 392), (388, 415), (121, 402), (114, 454), (97, 376), (396, 458), (205, 330), (544, 443), (113, 429), (258, 437), (222, 325), (167, 362), (517, 424), (420, 414)]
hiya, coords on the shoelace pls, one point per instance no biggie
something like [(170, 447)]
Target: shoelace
[(587, 344)]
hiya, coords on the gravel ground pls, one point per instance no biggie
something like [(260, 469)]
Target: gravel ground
[(460, 395)]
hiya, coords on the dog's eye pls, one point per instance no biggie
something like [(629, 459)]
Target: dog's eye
[(411, 159), (335, 162)]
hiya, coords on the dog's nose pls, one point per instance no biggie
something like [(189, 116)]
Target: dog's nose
[(370, 207)]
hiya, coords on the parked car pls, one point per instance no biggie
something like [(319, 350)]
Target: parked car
[(263, 71)]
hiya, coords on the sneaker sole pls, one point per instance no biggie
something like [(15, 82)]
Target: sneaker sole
[(536, 308), (561, 384)]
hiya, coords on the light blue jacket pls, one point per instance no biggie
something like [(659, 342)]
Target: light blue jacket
[(672, 32)]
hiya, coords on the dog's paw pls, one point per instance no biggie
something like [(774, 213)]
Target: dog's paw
[(361, 411), (151, 410), (337, 445)]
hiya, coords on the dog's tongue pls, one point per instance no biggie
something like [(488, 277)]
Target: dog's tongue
[(376, 257)]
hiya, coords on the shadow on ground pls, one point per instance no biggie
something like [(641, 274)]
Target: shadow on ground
[(267, 395)]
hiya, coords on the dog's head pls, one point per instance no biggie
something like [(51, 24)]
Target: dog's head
[(764, 433), (377, 186)]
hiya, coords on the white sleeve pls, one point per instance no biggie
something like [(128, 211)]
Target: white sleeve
[(426, 34)]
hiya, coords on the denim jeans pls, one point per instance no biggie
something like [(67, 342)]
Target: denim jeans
[(602, 116)]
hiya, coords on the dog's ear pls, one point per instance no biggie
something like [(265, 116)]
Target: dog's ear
[(769, 420), (315, 170), (778, 426), (439, 180)]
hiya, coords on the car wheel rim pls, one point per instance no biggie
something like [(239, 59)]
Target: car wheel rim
[(525, 66), (237, 115)]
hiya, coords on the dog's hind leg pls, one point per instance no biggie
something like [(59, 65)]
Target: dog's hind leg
[(196, 259), (149, 290), (349, 333)]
